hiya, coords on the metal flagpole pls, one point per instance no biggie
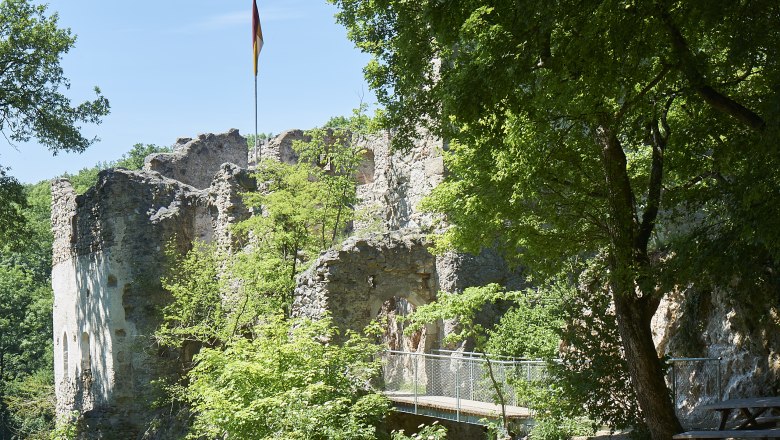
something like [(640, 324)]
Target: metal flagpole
[(257, 140)]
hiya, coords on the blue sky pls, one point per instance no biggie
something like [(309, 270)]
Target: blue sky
[(174, 68)]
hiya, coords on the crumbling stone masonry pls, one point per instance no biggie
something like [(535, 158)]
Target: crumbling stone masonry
[(108, 259)]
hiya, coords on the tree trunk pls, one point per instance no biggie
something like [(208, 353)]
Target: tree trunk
[(644, 367), (633, 309)]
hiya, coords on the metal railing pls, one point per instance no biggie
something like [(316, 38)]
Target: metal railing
[(695, 381), (458, 375), (465, 376)]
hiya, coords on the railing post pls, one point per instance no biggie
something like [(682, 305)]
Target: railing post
[(674, 384), (471, 379), (457, 391), (416, 359), (719, 379)]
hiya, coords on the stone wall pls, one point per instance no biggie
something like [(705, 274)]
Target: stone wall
[(192, 160), (386, 269), (108, 259), (395, 183)]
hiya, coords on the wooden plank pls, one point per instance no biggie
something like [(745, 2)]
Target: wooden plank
[(473, 407), (746, 433)]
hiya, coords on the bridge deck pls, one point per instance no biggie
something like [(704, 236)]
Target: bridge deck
[(450, 404)]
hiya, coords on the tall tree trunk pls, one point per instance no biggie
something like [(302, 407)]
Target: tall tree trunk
[(634, 309), (644, 367)]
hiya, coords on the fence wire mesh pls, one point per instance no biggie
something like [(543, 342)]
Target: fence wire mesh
[(695, 382), (459, 376)]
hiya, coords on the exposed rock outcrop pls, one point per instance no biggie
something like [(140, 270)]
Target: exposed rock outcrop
[(739, 335)]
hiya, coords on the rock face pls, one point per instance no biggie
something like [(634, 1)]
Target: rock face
[(734, 343), (108, 261)]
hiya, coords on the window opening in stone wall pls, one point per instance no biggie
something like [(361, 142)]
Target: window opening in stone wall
[(65, 354), (85, 353)]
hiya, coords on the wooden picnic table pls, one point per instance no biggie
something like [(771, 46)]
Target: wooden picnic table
[(748, 416), (749, 410)]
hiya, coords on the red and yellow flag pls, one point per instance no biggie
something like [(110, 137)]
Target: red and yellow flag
[(257, 34)]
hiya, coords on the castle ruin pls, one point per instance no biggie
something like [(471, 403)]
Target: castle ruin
[(108, 258)]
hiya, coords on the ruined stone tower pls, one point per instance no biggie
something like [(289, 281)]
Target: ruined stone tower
[(108, 259)]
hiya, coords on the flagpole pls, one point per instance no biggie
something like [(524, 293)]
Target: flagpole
[(257, 46)]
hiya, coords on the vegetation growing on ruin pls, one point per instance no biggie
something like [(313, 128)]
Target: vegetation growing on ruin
[(257, 373)]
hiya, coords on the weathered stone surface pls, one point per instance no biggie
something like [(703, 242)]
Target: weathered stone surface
[(225, 203), (390, 275), (396, 183), (354, 281), (107, 291), (108, 261), (279, 148), (195, 161)]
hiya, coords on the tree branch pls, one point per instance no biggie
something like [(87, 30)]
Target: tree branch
[(627, 105), (689, 68), (659, 141)]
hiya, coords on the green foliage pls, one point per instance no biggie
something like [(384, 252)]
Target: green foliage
[(196, 314), (33, 106), (639, 129), (31, 48), (530, 329), (66, 427), (134, 159), (593, 375), (306, 208), (255, 372), (433, 431), (12, 205), (297, 217), (31, 404), (25, 338), (560, 428), (464, 307), (287, 382)]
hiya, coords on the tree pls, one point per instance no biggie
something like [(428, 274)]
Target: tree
[(287, 382), (32, 104), (25, 322), (646, 130), (306, 207)]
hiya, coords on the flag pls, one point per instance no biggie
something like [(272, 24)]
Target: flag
[(257, 34)]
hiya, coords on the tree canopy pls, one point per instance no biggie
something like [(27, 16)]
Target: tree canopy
[(32, 103), (644, 130)]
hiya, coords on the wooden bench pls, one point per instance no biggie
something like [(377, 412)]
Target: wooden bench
[(735, 433)]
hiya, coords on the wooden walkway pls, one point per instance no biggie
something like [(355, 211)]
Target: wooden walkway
[(467, 407)]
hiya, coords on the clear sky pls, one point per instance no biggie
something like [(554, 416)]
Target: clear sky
[(175, 68)]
